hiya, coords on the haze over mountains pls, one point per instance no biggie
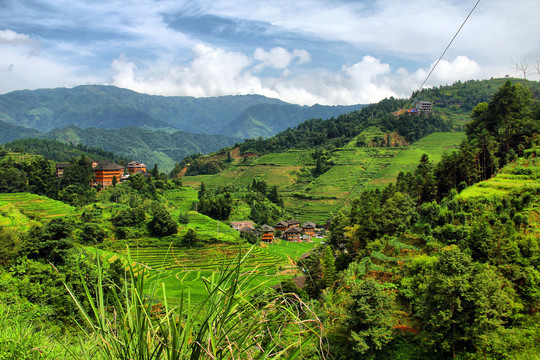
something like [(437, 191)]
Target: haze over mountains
[(98, 106)]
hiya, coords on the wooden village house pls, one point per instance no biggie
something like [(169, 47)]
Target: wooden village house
[(281, 226), (106, 171), (134, 167), (60, 167), (291, 223), (293, 234), (267, 233), (308, 228)]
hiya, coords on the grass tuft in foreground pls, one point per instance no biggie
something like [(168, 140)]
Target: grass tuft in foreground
[(237, 320)]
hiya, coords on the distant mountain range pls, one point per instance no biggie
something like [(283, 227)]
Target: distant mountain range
[(98, 106)]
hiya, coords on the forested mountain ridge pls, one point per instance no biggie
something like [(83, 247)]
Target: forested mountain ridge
[(267, 120), (10, 132), (55, 150), (444, 263), (111, 107), (150, 147)]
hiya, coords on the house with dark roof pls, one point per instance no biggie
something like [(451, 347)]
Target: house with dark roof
[(134, 167), (267, 233), (293, 234), (308, 228), (60, 167), (293, 222), (106, 171), (281, 226)]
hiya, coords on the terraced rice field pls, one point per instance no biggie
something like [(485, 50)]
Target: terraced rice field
[(181, 270), (355, 169), (523, 175), (35, 206)]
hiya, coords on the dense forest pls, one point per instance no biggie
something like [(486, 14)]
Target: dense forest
[(61, 152), (150, 147), (338, 131), (420, 271)]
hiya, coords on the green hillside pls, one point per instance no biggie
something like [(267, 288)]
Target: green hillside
[(355, 169), (35, 207), (150, 147), (10, 132)]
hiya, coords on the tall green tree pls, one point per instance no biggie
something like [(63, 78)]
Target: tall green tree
[(329, 272), (369, 318)]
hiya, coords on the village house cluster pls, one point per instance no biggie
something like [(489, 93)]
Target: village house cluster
[(290, 230), (105, 172)]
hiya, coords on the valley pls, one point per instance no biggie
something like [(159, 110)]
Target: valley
[(426, 239)]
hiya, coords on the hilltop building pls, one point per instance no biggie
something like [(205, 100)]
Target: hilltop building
[(421, 106), (425, 106)]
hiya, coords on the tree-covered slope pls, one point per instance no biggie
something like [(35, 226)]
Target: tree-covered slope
[(60, 151), (10, 132), (268, 119), (151, 147)]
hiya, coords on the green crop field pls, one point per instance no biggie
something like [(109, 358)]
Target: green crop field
[(36, 207), (11, 217), (180, 270), (522, 176), (355, 169)]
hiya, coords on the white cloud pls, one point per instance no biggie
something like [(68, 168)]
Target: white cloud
[(25, 68), (215, 72), (11, 37), (279, 58)]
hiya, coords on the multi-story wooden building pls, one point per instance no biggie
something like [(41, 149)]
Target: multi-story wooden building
[(134, 167), (293, 234), (292, 223), (309, 229), (267, 233), (60, 167), (282, 226), (106, 171)]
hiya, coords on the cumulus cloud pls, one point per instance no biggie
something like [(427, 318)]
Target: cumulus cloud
[(461, 68), (215, 71), (279, 58), (12, 37)]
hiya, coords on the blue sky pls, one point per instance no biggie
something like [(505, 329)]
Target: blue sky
[(304, 52)]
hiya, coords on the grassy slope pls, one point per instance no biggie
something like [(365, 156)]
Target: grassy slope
[(32, 206), (315, 199)]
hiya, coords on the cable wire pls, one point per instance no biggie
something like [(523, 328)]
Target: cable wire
[(412, 98)]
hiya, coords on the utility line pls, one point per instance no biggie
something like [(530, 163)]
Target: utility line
[(444, 52), (412, 98)]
